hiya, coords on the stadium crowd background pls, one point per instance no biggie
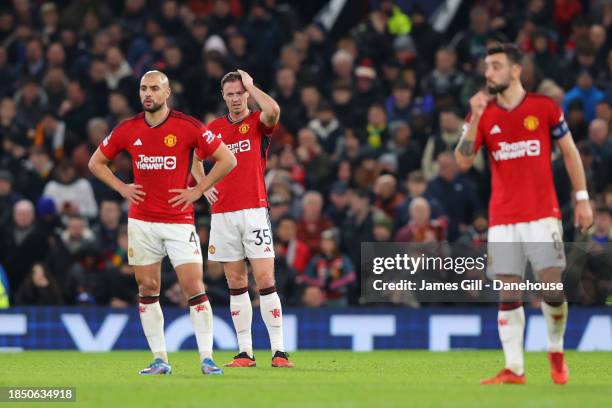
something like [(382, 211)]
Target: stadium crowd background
[(371, 113)]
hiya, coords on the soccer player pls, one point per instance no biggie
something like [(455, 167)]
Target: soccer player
[(160, 220), (518, 128), (240, 226)]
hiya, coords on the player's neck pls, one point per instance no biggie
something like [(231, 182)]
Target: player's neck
[(511, 97), (157, 117), (240, 116)]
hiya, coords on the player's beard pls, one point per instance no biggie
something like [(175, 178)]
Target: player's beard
[(154, 108), (499, 88)]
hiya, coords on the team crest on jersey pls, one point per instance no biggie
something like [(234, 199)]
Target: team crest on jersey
[(170, 140), (211, 249), (244, 128), (531, 123), (131, 252)]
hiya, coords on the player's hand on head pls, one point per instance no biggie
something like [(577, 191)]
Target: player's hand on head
[(247, 80), (133, 193), (478, 103), (212, 194), (583, 215), (184, 197)]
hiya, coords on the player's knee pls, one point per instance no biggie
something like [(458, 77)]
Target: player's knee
[(193, 287), (264, 282), (237, 281), (148, 286)]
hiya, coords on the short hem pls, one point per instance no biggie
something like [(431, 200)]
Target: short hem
[(226, 259), (183, 262), (145, 263)]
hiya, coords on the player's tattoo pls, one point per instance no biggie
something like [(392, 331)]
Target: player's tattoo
[(466, 147)]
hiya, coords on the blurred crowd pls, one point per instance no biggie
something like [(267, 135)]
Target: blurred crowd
[(370, 116)]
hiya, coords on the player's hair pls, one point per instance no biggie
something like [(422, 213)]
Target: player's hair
[(230, 77), (514, 54)]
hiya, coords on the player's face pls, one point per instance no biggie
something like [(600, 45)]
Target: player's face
[(154, 92), (235, 97), (499, 72)]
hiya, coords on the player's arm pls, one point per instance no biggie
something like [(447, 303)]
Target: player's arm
[(270, 111), (98, 165), (583, 214), (225, 161), (465, 153), (197, 170)]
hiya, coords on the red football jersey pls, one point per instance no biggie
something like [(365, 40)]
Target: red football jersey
[(244, 186), (519, 145), (161, 160)]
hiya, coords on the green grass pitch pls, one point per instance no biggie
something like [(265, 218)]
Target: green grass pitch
[(321, 379)]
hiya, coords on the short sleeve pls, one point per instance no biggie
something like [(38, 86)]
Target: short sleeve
[(479, 134), (114, 142), (206, 142), (262, 128), (557, 123)]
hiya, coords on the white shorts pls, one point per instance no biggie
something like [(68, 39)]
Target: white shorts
[(511, 246), (237, 235), (150, 242)]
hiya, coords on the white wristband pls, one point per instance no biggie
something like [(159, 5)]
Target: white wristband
[(582, 195)]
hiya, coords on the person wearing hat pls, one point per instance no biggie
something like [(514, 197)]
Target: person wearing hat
[(367, 91), (332, 272)]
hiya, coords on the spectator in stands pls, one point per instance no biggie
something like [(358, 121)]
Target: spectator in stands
[(31, 103), (123, 290), (402, 146), (288, 96), (338, 206), (72, 195), (23, 243), (331, 271), (107, 230), (455, 193), (470, 43), (312, 222), (417, 187), (445, 141), (40, 289), (8, 198), (585, 91), (287, 245), (77, 108), (421, 227), (376, 131), (445, 78), (312, 157), (601, 148), (327, 127), (387, 197), (35, 173)]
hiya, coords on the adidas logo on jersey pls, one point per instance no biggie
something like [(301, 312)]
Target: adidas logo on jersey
[(138, 142), (495, 130), (267, 249)]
